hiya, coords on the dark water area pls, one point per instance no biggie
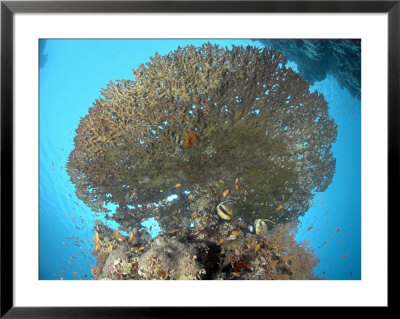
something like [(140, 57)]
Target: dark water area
[(72, 75)]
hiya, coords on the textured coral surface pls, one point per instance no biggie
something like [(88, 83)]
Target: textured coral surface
[(253, 117)]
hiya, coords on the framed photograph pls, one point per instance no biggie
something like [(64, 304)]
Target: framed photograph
[(159, 155)]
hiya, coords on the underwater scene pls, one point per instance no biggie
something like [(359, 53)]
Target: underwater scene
[(199, 159)]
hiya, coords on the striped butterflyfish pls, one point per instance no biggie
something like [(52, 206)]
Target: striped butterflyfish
[(224, 211)]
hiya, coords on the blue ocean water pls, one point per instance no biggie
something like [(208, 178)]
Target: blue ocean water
[(72, 73)]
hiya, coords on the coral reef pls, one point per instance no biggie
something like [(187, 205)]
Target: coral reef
[(317, 58), (238, 255), (218, 128), (274, 256)]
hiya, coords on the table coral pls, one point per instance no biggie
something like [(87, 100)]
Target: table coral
[(253, 119)]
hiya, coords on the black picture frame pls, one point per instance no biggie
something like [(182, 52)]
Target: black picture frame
[(9, 8)]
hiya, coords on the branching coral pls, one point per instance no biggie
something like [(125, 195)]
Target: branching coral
[(275, 256), (256, 117)]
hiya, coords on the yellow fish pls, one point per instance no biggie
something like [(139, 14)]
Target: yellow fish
[(260, 227), (141, 248), (236, 232), (177, 185), (220, 241), (110, 248), (274, 262), (118, 236), (226, 191), (96, 237), (224, 211), (279, 207), (131, 236)]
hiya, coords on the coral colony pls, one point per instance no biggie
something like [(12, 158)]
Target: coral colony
[(235, 136)]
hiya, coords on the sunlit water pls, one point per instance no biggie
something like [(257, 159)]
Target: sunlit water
[(72, 74)]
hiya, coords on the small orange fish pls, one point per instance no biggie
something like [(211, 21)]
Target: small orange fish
[(97, 246), (309, 228), (157, 217), (279, 207), (131, 236), (161, 191), (337, 230), (173, 231), (110, 248), (236, 187), (274, 262), (236, 232), (190, 196), (177, 185), (226, 191), (257, 247), (96, 236), (220, 241), (117, 235), (141, 247)]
